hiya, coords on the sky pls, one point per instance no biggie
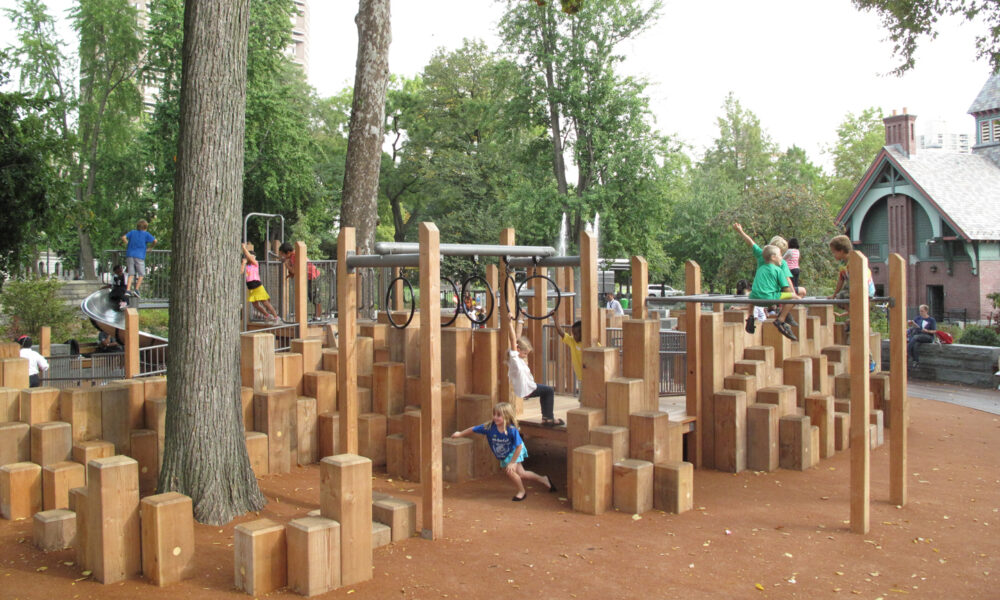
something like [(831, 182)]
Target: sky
[(799, 66)]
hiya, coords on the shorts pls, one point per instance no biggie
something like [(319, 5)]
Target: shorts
[(258, 294), (510, 458), (779, 296), (136, 266), (312, 291)]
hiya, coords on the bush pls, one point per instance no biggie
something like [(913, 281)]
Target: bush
[(29, 304), (977, 335)]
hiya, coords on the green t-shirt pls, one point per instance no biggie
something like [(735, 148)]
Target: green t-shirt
[(758, 253), (767, 283)]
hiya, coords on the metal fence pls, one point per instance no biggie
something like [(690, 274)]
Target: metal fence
[(96, 369), (155, 284), (153, 360)]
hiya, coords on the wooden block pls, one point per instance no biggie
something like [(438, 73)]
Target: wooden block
[(820, 370), (20, 490), (762, 437), (257, 361), (365, 351), (331, 360), (290, 373), (837, 353), (652, 437), (411, 393), (57, 480), (371, 437), (456, 358), (54, 529), (591, 479), (485, 366), (783, 396), (273, 414), (841, 431), (306, 433), (600, 366), (78, 504), (641, 360), (381, 535), (456, 459), (472, 410), (14, 373), (673, 487), (10, 350), (116, 416), (739, 382), (321, 385), (797, 372), (633, 486), (842, 405), (754, 368), (388, 388), (346, 497), (411, 445), (624, 397), (819, 409), (155, 387), (364, 400), (167, 523), (257, 451), (875, 418), (449, 408), (114, 546), (772, 337), (313, 555), (84, 452), (156, 419), (794, 442), (328, 434), (15, 443), (260, 557), (145, 451), (399, 515), (311, 350), (764, 354), (842, 386), (610, 436), (379, 332), (246, 408), (730, 431), (39, 405), (51, 443), (814, 450), (10, 404), (878, 383), (394, 447), (137, 400)]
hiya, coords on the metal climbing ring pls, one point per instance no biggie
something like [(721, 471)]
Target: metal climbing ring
[(489, 295), (458, 309), (413, 303), (517, 298), (517, 303)]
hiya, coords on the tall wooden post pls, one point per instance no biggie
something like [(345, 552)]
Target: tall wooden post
[(430, 381), (898, 403), (508, 296), (45, 341), (493, 278), (693, 400), (588, 290), (131, 343), (397, 300), (640, 287), (347, 325), (539, 306), (860, 405), (301, 289)]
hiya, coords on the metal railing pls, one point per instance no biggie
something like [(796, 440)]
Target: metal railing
[(155, 284), (73, 371), (153, 360)]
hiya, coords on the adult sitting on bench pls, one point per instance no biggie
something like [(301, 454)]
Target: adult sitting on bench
[(921, 331)]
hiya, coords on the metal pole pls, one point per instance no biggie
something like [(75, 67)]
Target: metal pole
[(466, 249), (732, 299), (545, 261), (376, 260)]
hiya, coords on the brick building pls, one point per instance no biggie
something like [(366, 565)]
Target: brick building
[(938, 209)]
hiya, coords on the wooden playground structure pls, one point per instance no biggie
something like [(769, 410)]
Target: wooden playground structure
[(84, 462)]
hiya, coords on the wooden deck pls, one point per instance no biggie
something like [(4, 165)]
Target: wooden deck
[(531, 420)]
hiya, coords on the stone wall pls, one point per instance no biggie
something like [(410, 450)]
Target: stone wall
[(954, 363)]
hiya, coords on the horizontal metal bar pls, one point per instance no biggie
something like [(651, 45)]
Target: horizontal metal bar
[(545, 261), (358, 261), (466, 249), (733, 299)]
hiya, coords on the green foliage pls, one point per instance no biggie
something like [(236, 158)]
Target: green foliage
[(994, 298), (977, 335), (859, 139), (155, 321), (29, 304)]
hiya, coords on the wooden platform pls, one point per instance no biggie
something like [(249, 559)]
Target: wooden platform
[(531, 420)]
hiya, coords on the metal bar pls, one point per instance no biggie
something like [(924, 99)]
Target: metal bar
[(466, 249), (377, 260), (544, 261), (733, 299)]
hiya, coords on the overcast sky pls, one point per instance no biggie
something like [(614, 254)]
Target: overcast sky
[(799, 65)]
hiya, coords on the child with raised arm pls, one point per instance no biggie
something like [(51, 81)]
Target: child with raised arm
[(573, 343), (257, 296), (506, 443), (521, 379), (770, 283)]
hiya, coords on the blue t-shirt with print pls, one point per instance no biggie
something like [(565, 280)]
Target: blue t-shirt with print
[(502, 443), (137, 241)]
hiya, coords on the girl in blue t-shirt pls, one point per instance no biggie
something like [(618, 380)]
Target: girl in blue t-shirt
[(506, 443)]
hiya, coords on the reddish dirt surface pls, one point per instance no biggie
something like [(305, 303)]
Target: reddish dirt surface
[(786, 531)]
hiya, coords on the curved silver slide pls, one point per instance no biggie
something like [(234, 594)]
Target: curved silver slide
[(99, 308)]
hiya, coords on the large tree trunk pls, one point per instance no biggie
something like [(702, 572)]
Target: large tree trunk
[(558, 160), (364, 144), (205, 455)]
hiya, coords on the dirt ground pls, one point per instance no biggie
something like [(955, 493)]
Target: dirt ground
[(752, 535)]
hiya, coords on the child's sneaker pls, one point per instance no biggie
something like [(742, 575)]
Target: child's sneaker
[(751, 324), (785, 330), (791, 321)]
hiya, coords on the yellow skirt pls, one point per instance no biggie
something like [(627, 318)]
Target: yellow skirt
[(257, 294)]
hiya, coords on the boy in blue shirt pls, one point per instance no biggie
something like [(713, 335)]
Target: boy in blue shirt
[(136, 242)]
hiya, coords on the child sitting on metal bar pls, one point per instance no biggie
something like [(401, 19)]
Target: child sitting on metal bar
[(770, 283)]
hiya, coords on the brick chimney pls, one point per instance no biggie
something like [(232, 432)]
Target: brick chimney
[(899, 131)]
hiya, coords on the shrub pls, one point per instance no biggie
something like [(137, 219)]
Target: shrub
[(29, 304), (977, 335)]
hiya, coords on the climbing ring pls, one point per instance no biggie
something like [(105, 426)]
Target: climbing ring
[(489, 295), (388, 294), (517, 299), (458, 308)]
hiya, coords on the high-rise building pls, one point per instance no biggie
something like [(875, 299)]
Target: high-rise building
[(299, 50), (939, 135)]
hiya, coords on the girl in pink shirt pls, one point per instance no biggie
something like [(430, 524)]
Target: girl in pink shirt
[(257, 296), (792, 258)]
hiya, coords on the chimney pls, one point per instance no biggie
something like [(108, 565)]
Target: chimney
[(899, 131)]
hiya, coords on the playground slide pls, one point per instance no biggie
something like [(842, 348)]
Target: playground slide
[(102, 313)]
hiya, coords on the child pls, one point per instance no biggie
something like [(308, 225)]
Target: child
[(135, 253), (792, 258), (841, 247), (506, 443), (742, 289), (521, 380), (36, 362), (769, 283), (257, 296), (782, 245), (118, 288), (287, 253), (573, 343)]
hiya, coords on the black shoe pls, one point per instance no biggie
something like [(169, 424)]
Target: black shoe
[(751, 324), (785, 330), (791, 321), (552, 486), (516, 499), (136, 293)]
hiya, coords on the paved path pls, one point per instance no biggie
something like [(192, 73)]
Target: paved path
[(984, 399)]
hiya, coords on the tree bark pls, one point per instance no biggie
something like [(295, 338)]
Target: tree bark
[(205, 455), (548, 43), (364, 143)]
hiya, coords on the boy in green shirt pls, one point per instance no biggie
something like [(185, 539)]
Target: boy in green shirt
[(770, 283)]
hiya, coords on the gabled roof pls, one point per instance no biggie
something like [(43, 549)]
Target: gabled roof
[(989, 96), (965, 188)]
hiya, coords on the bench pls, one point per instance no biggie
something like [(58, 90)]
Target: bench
[(963, 364)]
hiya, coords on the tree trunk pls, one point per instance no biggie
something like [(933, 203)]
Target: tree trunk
[(364, 143), (86, 254), (205, 455), (558, 160)]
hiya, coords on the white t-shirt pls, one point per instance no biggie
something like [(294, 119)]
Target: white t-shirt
[(616, 306), (521, 380), (36, 361)]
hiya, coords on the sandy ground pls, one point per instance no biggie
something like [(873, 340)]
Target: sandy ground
[(752, 535)]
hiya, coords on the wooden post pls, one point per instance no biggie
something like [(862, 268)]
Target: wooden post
[(20, 490), (819, 408), (311, 350), (456, 458), (40, 405), (301, 281), (313, 555), (673, 487), (321, 385), (346, 497), (499, 355), (54, 529), (588, 290), (82, 409), (640, 287), (599, 367), (487, 345), (625, 396), (432, 484), (899, 403), (78, 504), (493, 278), (730, 425), (632, 486), (51, 443), (57, 480), (306, 436), (641, 358), (131, 343), (274, 414), (692, 287), (114, 545), (397, 298), (167, 538), (116, 416), (712, 381), (591, 479), (762, 437), (256, 443), (347, 367), (259, 557), (860, 406), (257, 360), (45, 341), (15, 443)]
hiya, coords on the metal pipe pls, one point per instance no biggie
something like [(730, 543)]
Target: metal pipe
[(357, 261), (733, 299), (545, 261), (466, 249)]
